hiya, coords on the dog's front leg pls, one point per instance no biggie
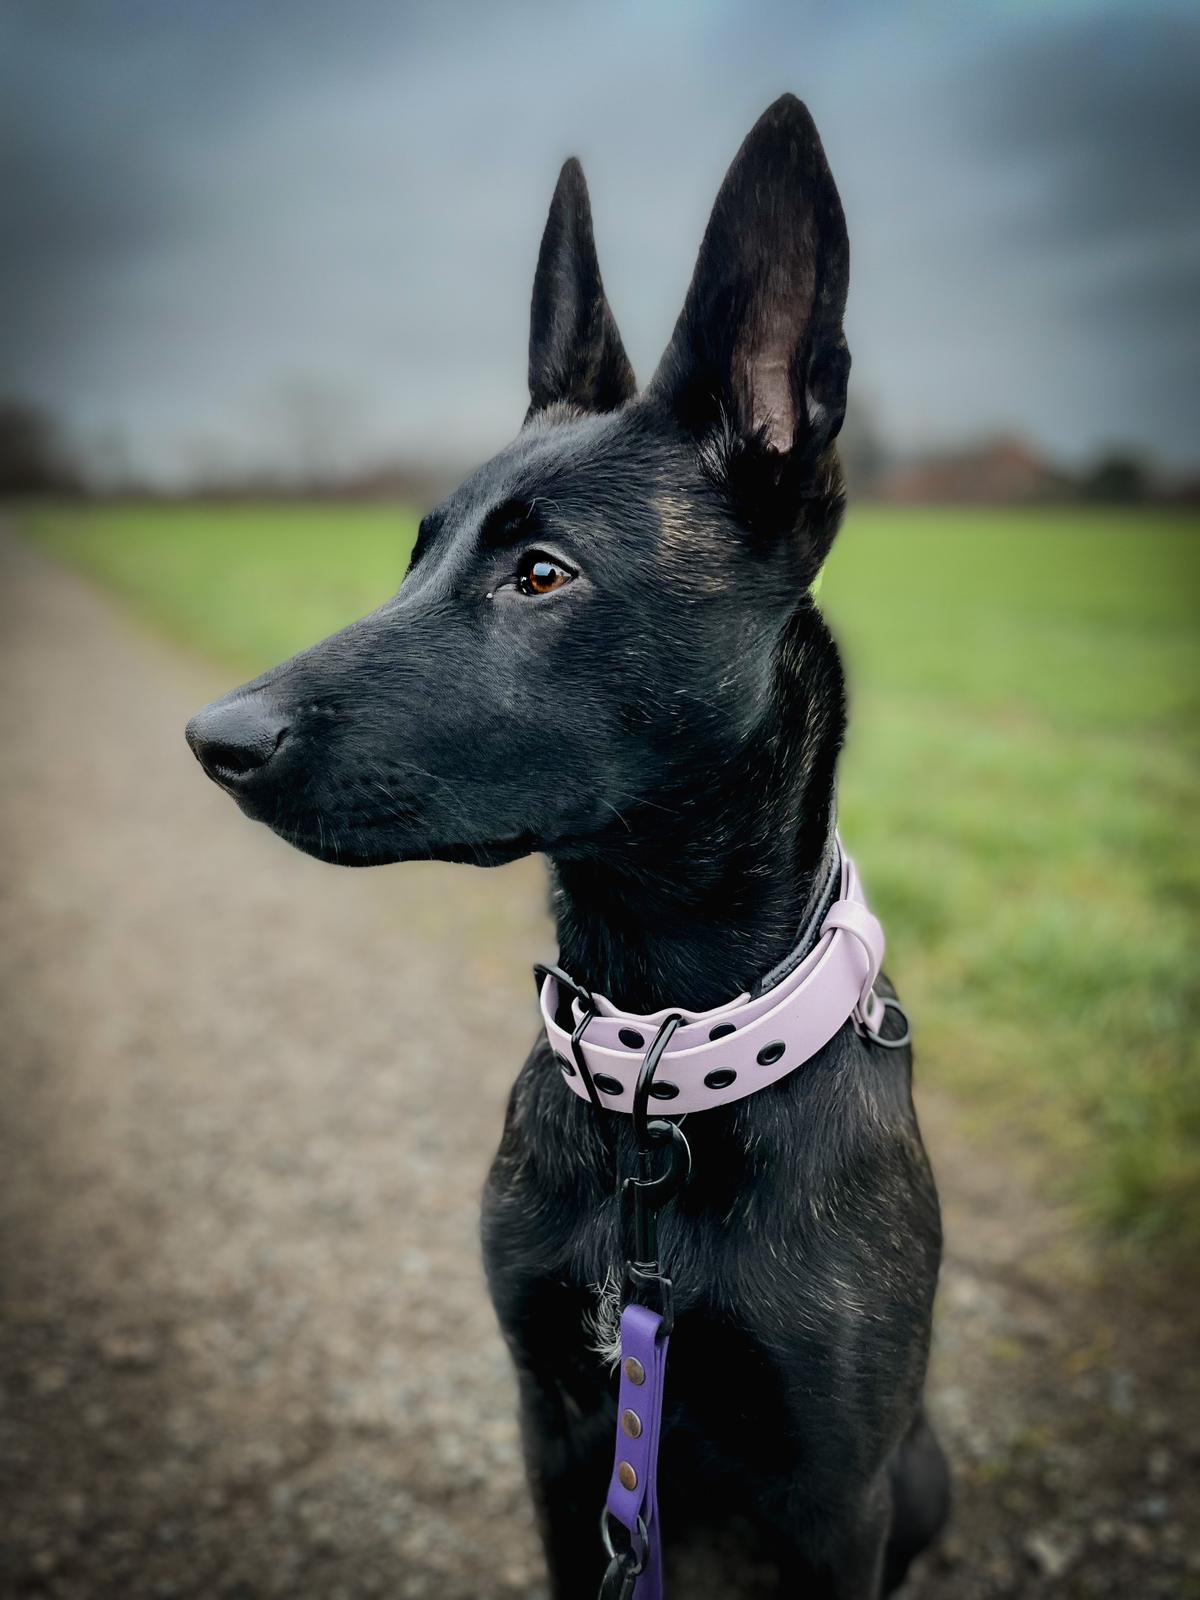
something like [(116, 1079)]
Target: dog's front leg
[(846, 1562), (568, 1457)]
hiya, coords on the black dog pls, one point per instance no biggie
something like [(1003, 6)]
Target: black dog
[(605, 649)]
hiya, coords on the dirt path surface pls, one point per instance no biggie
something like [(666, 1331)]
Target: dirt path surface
[(244, 1340)]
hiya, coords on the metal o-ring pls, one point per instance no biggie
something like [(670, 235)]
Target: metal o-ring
[(888, 1004), (639, 1542)]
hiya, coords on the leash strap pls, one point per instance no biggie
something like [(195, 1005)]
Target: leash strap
[(633, 1489)]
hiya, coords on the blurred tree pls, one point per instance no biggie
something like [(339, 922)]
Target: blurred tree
[(862, 451), (1118, 478), (32, 459)]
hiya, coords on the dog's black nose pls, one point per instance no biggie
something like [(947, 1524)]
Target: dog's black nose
[(235, 739)]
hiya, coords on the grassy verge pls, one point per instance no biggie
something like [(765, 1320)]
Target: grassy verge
[(246, 584), (1020, 787)]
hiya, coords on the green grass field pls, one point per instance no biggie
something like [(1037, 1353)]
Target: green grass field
[(1020, 786)]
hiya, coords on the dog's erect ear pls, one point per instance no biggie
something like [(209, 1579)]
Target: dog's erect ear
[(575, 351), (758, 355)]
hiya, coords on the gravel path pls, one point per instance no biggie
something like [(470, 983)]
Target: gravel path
[(244, 1340)]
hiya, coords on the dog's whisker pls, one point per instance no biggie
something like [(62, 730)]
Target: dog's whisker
[(622, 820)]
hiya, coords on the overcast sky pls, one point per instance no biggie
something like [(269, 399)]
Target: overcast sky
[(230, 221)]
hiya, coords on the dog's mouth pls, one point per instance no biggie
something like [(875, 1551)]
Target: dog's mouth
[(368, 844), (347, 836)]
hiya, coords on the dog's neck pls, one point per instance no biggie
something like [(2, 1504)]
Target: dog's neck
[(701, 899), (692, 934)]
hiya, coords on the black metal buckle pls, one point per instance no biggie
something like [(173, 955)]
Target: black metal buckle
[(541, 971)]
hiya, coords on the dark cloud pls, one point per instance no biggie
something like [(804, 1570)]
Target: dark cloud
[(208, 201), (1099, 117), (97, 100), (1105, 110)]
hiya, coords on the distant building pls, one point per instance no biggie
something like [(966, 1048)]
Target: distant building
[(1002, 471)]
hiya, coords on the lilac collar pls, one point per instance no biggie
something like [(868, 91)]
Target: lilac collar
[(718, 1056)]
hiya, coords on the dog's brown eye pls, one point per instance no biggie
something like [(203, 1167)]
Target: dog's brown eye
[(538, 574)]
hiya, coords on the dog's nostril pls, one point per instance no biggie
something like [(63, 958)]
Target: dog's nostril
[(234, 759), (234, 740)]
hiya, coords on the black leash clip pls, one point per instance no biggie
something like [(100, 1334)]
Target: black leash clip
[(621, 1578), (644, 1196), (625, 1566)]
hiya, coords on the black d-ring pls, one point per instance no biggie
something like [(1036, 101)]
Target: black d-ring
[(644, 1131)]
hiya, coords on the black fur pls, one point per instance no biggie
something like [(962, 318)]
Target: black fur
[(665, 726)]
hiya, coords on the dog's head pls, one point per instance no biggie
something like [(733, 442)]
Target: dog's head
[(592, 623)]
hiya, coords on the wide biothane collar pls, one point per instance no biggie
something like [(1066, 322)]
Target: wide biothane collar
[(718, 1056)]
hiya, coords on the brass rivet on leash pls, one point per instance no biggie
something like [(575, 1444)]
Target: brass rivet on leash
[(627, 1476), (635, 1371), (631, 1423)]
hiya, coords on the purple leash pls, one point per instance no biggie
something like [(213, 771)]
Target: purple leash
[(635, 1571), (633, 1490)]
